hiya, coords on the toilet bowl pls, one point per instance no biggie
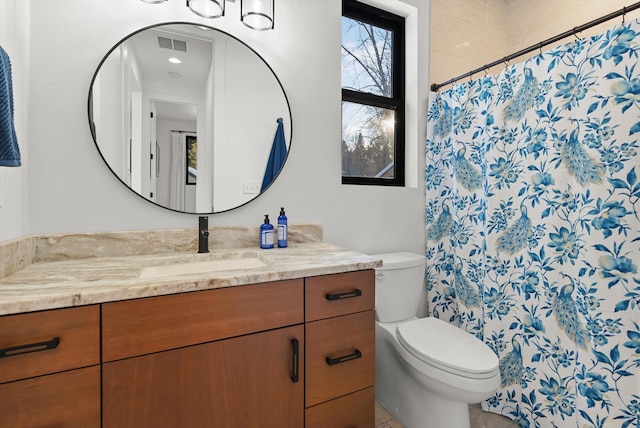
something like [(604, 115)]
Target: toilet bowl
[(427, 370)]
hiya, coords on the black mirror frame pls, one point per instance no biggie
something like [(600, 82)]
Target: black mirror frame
[(93, 130)]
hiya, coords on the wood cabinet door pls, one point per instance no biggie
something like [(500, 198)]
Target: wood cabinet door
[(240, 382), (68, 399)]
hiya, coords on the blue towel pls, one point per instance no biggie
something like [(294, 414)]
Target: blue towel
[(9, 150), (276, 158)]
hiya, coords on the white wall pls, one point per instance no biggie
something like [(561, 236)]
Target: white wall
[(71, 190), (466, 35), (533, 21), (240, 157), (14, 39), (108, 115)]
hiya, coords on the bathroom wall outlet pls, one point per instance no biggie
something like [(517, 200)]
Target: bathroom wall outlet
[(251, 187)]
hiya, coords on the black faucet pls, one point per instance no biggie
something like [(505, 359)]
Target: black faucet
[(203, 234)]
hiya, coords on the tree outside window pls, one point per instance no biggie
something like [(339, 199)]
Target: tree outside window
[(372, 96), (192, 159)]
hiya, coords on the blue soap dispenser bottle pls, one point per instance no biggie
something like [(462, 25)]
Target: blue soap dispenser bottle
[(266, 233), (283, 238)]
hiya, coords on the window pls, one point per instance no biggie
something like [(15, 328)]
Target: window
[(372, 95), (191, 159)]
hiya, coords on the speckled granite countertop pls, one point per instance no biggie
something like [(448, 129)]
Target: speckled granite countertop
[(64, 282)]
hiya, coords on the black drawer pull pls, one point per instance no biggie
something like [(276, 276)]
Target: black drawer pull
[(348, 294), (32, 347), (333, 361), (296, 360)]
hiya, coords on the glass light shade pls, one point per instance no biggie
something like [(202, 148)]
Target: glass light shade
[(207, 8), (258, 14), (154, 1)]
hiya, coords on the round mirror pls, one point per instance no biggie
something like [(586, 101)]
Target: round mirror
[(189, 118)]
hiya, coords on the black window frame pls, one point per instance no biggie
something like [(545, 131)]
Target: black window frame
[(396, 24), (189, 141)]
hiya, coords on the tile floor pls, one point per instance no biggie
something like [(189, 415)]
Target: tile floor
[(479, 419)]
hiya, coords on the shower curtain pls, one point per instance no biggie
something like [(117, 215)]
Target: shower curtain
[(533, 228), (177, 170)]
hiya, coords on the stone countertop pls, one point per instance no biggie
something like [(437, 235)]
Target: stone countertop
[(76, 282)]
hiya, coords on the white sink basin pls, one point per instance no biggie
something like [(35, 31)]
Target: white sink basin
[(206, 263)]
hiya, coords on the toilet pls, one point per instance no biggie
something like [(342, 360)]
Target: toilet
[(427, 370)]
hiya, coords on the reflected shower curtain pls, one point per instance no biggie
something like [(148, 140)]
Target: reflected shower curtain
[(533, 228), (177, 170)]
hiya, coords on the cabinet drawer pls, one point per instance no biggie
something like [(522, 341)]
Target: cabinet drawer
[(138, 327), (355, 410), (77, 345), (70, 399), (339, 294), (340, 356)]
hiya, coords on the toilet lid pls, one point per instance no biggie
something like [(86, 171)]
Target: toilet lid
[(448, 347)]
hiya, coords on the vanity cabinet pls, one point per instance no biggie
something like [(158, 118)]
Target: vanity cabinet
[(49, 368), (230, 357), (340, 355), (293, 353)]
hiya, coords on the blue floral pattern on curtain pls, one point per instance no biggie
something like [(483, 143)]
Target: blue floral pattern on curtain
[(533, 228)]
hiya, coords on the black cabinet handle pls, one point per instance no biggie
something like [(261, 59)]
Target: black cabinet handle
[(32, 347), (333, 361), (348, 294), (296, 360)]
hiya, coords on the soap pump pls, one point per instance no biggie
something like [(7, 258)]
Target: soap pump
[(266, 233), (283, 239)]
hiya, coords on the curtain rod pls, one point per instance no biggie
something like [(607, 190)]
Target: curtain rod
[(574, 31)]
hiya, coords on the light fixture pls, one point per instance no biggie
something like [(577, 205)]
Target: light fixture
[(174, 60), (255, 14), (207, 8), (258, 14)]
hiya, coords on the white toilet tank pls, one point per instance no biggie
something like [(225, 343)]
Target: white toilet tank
[(399, 283)]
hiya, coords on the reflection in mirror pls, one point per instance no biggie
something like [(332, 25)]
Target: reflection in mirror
[(187, 116), (192, 159)]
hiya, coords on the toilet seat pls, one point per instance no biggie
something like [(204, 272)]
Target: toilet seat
[(447, 347)]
